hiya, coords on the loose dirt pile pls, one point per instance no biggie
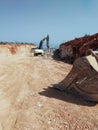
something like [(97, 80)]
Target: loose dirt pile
[(28, 101)]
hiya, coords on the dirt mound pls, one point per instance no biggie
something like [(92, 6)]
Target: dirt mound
[(9, 49), (77, 48), (83, 78)]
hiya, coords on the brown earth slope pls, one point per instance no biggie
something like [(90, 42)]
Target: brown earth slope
[(28, 101), (77, 48)]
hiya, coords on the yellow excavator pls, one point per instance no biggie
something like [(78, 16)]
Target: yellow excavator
[(39, 50)]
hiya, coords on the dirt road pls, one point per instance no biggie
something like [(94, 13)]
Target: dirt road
[(28, 101)]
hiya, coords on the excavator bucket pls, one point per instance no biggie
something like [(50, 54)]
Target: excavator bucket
[(83, 78)]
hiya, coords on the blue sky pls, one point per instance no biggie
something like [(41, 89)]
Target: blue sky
[(31, 20)]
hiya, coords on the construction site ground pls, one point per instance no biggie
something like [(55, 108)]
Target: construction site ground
[(29, 102)]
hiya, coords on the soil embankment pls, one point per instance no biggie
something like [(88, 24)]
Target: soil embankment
[(9, 49), (73, 49)]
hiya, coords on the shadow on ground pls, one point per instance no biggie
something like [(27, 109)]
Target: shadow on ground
[(56, 56), (51, 92)]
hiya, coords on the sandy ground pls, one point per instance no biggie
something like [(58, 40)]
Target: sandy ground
[(28, 101)]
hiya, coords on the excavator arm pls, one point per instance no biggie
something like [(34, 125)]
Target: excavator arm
[(47, 39), (47, 42)]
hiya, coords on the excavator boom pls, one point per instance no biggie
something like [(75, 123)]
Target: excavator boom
[(47, 42)]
